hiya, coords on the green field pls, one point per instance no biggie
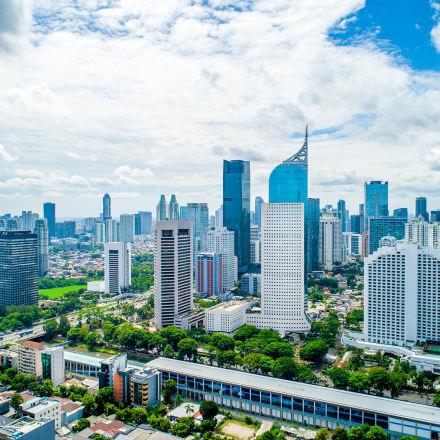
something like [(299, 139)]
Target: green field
[(59, 292)]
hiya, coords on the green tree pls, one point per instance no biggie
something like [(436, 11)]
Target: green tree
[(183, 427), (64, 325), (359, 382), (379, 379), (187, 349), (173, 335), (139, 415), (208, 409), (16, 401), (340, 377), (356, 433), (11, 373), (51, 328), (104, 396), (409, 437), (160, 423), (437, 400), (82, 424), (340, 434), (93, 339), (278, 349), (208, 425), (376, 433), (314, 351), (322, 434), (285, 368), (77, 334), (169, 352), (89, 404), (222, 342), (169, 391), (246, 332)]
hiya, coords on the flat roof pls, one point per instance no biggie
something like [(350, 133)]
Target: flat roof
[(228, 306), (81, 358), (381, 405)]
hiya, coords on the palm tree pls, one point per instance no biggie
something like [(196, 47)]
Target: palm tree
[(189, 409)]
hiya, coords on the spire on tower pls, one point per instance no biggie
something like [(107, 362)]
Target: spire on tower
[(301, 155)]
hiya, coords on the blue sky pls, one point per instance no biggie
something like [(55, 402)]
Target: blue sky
[(140, 99)]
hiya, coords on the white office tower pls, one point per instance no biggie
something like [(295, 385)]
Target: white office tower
[(255, 251), (52, 360), (221, 240), (100, 232), (173, 209), (423, 233), (282, 269), (352, 243), (126, 228), (388, 240), (330, 241), (27, 220), (111, 230), (173, 271), (219, 217), (41, 230), (117, 267), (162, 209), (90, 223), (402, 294)]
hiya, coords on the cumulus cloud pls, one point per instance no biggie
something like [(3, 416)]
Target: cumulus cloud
[(335, 177), (433, 159), (127, 170), (16, 196), (53, 194), (15, 16), (73, 155), (5, 156), (28, 173)]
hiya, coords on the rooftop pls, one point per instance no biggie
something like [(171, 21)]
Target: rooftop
[(397, 408), (229, 306), (32, 344)]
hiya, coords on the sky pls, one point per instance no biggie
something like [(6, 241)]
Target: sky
[(143, 98)]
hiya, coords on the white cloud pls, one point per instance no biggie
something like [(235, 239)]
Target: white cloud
[(16, 196), (73, 155), (433, 159), (5, 156), (53, 194), (15, 16), (28, 173), (435, 36), (126, 170)]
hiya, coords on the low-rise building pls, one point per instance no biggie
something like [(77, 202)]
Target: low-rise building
[(9, 359), (41, 407), (52, 359), (109, 368), (27, 428), (29, 358), (145, 388), (192, 319), (251, 283), (226, 317)]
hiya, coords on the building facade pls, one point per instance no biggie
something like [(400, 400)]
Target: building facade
[(209, 276), (29, 358), (376, 200), (18, 268), (126, 228), (162, 209), (145, 222), (421, 208), (49, 215), (40, 228), (117, 267), (401, 212), (226, 317), (313, 234), (251, 283), (109, 368), (106, 207), (173, 271), (258, 201), (382, 226), (173, 210), (352, 243), (52, 361), (198, 214), (237, 208), (145, 388), (330, 241)]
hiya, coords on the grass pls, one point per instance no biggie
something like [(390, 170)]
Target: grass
[(59, 292), (99, 349)]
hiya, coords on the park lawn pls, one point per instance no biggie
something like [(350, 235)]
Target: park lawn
[(59, 292)]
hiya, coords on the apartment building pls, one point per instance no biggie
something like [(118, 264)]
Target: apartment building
[(29, 358)]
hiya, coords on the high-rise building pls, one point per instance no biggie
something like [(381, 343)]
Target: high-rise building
[(43, 245), (355, 222), (162, 209), (173, 271), (108, 372), (27, 220), (29, 358), (49, 215), (65, 229), (173, 208), (421, 208), (145, 388), (342, 214), (237, 208), (362, 216), (52, 360), (382, 226), (198, 213), (209, 273), (90, 223), (111, 230), (435, 216), (126, 228), (258, 201), (401, 212), (402, 303), (183, 210), (146, 222), (352, 243), (212, 221), (365, 248), (18, 268), (313, 234), (376, 200), (117, 267), (330, 241), (106, 207), (423, 233), (221, 241), (100, 232), (219, 217)]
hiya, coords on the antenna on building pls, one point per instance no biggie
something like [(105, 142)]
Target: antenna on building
[(301, 155)]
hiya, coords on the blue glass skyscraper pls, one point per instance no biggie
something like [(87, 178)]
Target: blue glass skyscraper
[(237, 208), (376, 200), (258, 201), (421, 208), (313, 234)]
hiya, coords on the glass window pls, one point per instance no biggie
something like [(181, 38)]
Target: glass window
[(173, 376), (423, 430), (297, 404), (208, 386), (344, 413), (320, 408), (165, 375), (217, 387), (382, 421), (182, 380), (286, 402), (369, 418), (190, 382), (246, 393), (309, 406), (236, 391), (276, 400), (265, 397), (255, 396), (332, 411), (356, 416), (199, 384), (226, 389)]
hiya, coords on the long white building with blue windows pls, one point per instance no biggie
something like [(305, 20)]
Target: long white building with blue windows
[(303, 403)]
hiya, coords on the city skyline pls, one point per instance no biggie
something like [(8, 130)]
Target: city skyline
[(68, 123)]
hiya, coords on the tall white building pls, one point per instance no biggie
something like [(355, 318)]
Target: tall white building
[(352, 243), (423, 233), (402, 294), (173, 271), (219, 217), (40, 228), (111, 230), (52, 360), (282, 269), (255, 251), (226, 317), (221, 240), (330, 241), (117, 267), (100, 232), (126, 228)]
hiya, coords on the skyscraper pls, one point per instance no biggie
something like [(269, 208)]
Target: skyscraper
[(401, 212), (162, 209), (117, 267), (355, 221), (49, 215), (209, 273), (237, 208), (383, 226), (421, 208), (174, 208), (18, 268), (106, 207), (126, 228), (258, 201), (313, 234), (221, 241), (100, 232), (330, 241), (198, 213), (219, 217), (342, 214), (173, 271), (376, 200), (435, 216), (362, 216), (42, 232)]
